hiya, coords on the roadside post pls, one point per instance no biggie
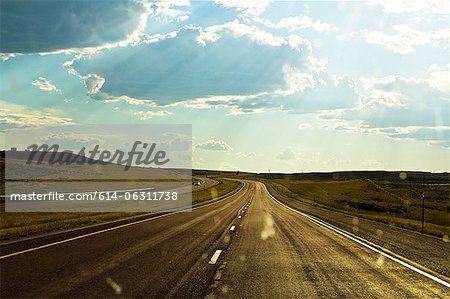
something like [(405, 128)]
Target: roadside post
[(423, 210)]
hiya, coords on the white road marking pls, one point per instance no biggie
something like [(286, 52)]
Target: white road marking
[(232, 228), (215, 257), (343, 233)]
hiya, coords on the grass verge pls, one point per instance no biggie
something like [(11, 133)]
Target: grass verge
[(19, 225), (398, 204)]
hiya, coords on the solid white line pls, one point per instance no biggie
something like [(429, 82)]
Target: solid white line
[(215, 257), (341, 232), (232, 228)]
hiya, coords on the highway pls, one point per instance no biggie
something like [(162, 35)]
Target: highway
[(247, 245)]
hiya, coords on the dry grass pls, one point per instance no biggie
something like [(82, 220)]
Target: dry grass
[(390, 202), (19, 225)]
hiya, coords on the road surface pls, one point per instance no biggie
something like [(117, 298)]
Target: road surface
[(247, 245)]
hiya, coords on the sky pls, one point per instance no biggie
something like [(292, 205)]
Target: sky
[(279, 86)]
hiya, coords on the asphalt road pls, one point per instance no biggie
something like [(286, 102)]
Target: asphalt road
[(247, 245)]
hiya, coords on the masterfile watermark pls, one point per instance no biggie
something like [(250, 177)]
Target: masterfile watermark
[(98, 168), (67, 157)]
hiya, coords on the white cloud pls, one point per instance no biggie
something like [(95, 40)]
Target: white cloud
[(236, 29), (93, 83), (214, 145), (45, 85), (406, 40), (287, 154), (401, 107), (237, 104), (23, 116), (438, 135), (247, 7), (106, 98), (145, 115), (297, 80), (412, 6), (169, 10), (304, 126), (78, 137), (300, 22), (371, 164), (182, 18), (248, 154), (440, 77), (7, 56)]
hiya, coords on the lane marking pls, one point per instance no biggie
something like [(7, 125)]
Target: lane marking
[(215, 257), (343, 233), (107, 230), (232, 228)]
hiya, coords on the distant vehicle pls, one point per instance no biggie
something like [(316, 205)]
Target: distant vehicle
[(197, 183)]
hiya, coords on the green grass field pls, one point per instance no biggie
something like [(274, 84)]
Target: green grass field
[(19, 225), (396, 203)]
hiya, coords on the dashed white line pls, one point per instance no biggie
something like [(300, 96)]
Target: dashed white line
[(215, 257), (232, 228)]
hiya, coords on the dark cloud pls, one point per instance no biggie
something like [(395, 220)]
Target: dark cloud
[(46, 25), (180, 68)]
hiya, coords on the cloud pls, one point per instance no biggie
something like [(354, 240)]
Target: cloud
[(45, 85), (248, 154), (287, 154), (324, 92), (246, 8), (214, 145), (145, 115), (72, 136), (7, 56), (440, 77), (413, 6), (167, 11), (439, 136), (371, 164), (69, 26), (304, 126), (14, 115), (209, 73), (401, 107), (237, 29), (300, 22), (406, 39), (396, 101), (206, 63), (93, 83)]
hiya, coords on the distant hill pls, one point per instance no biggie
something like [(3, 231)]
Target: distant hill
[(411, 176), (18, 169)]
